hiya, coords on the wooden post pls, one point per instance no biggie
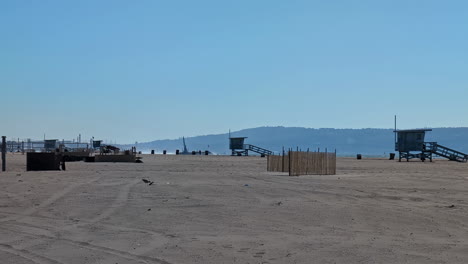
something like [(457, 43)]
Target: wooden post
[(327, 163), (282, 162), (3, 153), (268, 163)]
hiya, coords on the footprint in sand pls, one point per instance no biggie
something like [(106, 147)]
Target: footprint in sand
[(259, 254), (243, 250)]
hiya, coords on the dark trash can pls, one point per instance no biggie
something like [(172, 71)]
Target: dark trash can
[(392, 156), (359, 156)]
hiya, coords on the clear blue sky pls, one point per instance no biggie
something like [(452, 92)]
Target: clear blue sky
[(143, 70)]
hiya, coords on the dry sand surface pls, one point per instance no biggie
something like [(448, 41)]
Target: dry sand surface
[(216, 209)]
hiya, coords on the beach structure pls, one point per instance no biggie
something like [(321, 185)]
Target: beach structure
[(96, 144), (185, 151), (53, 154), (75, 151), (4, 153), (109, 153), (236, 145), (44, 161), (303, 163), (49, 145), (238, 148), (411, 144), (50, 157), (109, 149)]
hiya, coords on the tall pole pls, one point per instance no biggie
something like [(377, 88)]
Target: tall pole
[(3, 153), (395, 130)]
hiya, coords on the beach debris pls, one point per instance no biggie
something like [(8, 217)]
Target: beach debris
[(451, 206), (147, 181), (246, 185), (149, 209)]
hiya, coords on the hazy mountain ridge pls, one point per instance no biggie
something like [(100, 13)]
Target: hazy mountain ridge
[(367, 141)]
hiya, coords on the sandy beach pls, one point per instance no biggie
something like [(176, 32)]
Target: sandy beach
[(221, 209)]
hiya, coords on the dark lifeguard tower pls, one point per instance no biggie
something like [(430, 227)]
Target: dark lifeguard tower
[(97, 144), (410, 144), (238, 148), (236, 145), (50, 145), (411, 141)]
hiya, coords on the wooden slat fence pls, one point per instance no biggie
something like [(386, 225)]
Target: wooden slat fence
[(303, 163), (278, 163)]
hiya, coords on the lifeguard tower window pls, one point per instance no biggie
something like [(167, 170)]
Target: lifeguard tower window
[(236, 143), (97, 144), (410, 140)]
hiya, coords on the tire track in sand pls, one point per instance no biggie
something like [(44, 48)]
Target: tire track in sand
[(22, 223), (82, 244), (47, 202), (120, 201), (27, 255)]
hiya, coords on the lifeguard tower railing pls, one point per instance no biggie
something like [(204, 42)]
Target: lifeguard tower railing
[(445, 152), (258, 150)]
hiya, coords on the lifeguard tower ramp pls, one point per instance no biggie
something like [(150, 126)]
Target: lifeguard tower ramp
[(445, 152)]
